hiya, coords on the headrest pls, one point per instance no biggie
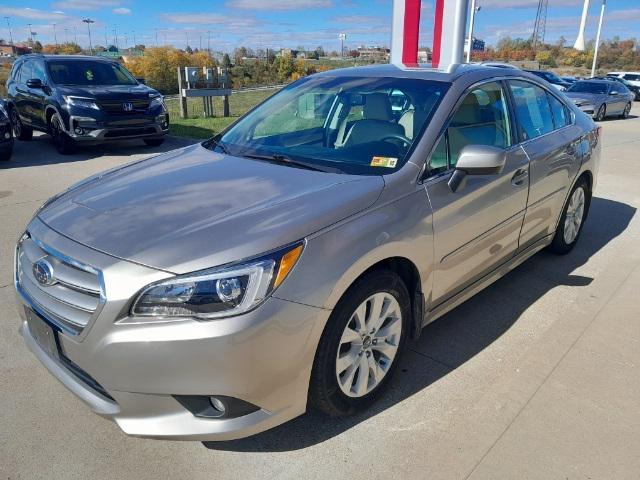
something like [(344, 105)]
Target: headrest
[(469, 112), (377, 107)]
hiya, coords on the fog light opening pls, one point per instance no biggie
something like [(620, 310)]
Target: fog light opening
[(79, 131)]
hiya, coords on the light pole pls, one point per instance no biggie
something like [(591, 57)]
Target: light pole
[(597, 46), (10, 34), (156, 36), (30, 33), (75, 35), (55, 37), (209, 42), (65, 36), (474, 9), (88, 21), (342, 37), (115, 35)]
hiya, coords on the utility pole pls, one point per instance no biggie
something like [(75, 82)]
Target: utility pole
[(55, 37), (30, 33), (133, 32), (125, 40), (65, 35), (106, 39), (209, 42), (10, 33), (115, 35), (474, 9), (342, 37), (156, 36), (597, 46), (75, 35), (187, 35), (88, 21)]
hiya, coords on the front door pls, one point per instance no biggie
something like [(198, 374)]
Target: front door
[(477, 227)]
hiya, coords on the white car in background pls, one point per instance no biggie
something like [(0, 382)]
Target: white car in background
[(632, 77)]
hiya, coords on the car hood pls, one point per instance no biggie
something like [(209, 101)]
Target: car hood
[(585, 97), (108, 92), (192, 208)]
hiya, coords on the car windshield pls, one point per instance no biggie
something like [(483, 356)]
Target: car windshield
[(89, 72), (588, 87), (357, 125)]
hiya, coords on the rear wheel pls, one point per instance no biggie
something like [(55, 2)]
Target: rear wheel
[(63, 142), (572, 220), (626, 111), (20, 131), (601, 113), (361, 345), (5, 154), (154, 142)]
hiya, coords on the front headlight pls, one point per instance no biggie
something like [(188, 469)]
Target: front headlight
[(156, 101), (81, 102), (218, 292)]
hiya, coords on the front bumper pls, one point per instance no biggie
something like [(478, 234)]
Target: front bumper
[(90, 130), (263, 357)]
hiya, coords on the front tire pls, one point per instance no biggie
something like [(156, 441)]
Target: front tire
[(5, 155), (572, 219), (20, 131), (361, 345), (626, 111), (63, 142), (601, 113)]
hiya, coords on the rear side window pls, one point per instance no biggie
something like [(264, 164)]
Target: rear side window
[(631, 76), (15, 75), (533, 112), (26, 71), (560, 112)]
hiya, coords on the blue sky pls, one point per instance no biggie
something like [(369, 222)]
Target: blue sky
[(291, 23)]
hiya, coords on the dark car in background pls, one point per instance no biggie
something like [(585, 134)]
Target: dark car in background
[(6, 138), (82, 100), (552, 78), (601, 98), (635, 89)]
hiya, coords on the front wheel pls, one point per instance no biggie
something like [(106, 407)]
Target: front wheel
[(572, 220), (63, 142), (602, 112), (5, 154), (20, 131), (361, 345), (626, 111), (154, 142)]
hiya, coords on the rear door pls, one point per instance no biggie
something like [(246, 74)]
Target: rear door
[(35, 100), (476, 228), (551, 141), (21, 97)]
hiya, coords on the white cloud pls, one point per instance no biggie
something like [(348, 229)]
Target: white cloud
[(86, 4), (279, 4), (208, 19), (360, 20), (31, 13), (122, 11)]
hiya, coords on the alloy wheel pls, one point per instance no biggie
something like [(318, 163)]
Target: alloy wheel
[(15, 121), (601, 113), (574, 215), (369, 344), (627, 110)]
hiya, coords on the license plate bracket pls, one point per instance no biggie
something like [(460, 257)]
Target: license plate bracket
[(45, 336)]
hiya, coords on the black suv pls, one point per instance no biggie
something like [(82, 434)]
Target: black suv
[(6, 140), (81, 99)]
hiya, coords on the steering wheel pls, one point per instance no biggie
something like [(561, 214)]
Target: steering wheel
[(397, 136)]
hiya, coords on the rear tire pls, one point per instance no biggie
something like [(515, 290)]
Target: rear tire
[(63, 142), (5, 155), (572, 219), (20, 131), (601, 113), (154, 142), (366, 332)]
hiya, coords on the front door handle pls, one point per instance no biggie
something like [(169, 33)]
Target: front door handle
[(519, 177)]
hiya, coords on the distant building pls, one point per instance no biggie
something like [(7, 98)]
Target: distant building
[(424, 56), (14, 50), (376, 54)]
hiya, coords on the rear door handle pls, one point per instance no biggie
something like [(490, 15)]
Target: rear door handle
[(519, 177)]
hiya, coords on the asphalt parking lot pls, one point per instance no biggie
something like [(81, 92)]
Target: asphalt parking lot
[(536, 377)]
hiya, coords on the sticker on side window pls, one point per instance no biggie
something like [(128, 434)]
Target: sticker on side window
[(389, 162)]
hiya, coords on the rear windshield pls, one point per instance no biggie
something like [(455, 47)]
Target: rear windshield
[(89, 72), (589, 87)]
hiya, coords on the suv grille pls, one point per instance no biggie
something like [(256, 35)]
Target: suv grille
[(116, 106), (72, 297)]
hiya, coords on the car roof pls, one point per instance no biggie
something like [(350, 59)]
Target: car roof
[(66, 57), (423, 71)]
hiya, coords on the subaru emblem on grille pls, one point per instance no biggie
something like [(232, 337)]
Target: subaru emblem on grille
[(127, 106), (43, 272)]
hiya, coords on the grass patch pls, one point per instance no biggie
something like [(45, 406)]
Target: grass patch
[(196, 126)]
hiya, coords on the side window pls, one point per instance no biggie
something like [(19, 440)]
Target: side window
[(15, 74), (439, 158), (37, 70), (532, 109), (560, 113), (25, 71), (481, 119)]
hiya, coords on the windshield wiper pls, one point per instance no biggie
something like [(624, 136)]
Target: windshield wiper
[(214, 143), (284, 160)]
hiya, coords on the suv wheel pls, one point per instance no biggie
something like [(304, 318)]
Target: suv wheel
[(20, 131), (154, 142), (63, 143), (361, 344), (572, 220)]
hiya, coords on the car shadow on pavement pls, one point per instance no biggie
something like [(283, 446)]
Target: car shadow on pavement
[(41, 151), (458, 336)]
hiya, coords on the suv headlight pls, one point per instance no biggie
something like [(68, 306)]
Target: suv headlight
[(81, 102), (156, 101), (218, 292)]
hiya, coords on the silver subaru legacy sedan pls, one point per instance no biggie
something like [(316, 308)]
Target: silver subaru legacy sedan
[(218, 290)]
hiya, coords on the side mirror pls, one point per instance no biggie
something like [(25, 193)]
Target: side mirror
[(614, 92), (34, 83), (477, 160), (141, 80)]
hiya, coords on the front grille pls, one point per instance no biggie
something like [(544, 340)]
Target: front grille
[(116, 106), (71, 300)]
